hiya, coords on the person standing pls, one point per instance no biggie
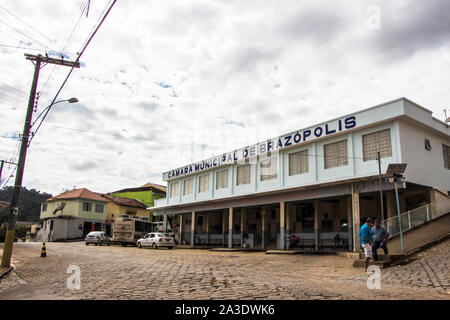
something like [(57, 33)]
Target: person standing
[(365, 234), (380, 236)]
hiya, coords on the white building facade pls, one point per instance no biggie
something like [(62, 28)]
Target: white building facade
[(319, 183)]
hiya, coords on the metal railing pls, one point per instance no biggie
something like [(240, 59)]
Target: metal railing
[(417, 217)]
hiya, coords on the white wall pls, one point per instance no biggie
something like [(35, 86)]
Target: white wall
[(424, 167), (316, 174)]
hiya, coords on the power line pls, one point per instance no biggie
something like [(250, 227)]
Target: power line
[(51, 41), (9, 178), (69, 38), (11, 36), (17, 30), (93, 28), (52, 74), (117, 135), (12, 90), (71, 69), (19, 47), (10, 97)]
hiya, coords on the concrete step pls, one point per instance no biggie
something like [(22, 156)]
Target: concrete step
[(359, 263), (383, 261), (381, 256)]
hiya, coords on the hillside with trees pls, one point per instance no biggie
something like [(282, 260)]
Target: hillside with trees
[(29, 203)]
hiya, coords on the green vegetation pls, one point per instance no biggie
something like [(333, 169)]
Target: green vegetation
[(21, 232), (29, 203)]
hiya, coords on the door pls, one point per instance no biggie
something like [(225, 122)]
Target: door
[(151, 239), (87, 226)]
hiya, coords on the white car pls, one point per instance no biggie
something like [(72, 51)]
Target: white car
[(156, 240), (97, 238)]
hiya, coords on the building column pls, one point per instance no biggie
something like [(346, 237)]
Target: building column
[(390, 204), (316, 224), (165, 223), (264, 235), (402, 200), (288, 218), (349, 223), (282, 213), (356, 220), (230, 227), (207, 228), (243, 222), (181, 228), (224, 220), (289, 229), (193, 229)]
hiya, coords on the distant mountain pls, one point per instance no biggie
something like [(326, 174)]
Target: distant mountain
[(29, 203)]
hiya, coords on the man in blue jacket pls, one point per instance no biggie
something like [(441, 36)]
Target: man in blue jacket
[(365, 234), (381, 236)]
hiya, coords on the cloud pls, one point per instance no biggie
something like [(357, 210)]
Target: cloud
[(167, 83), (413, 28), (84, 166)]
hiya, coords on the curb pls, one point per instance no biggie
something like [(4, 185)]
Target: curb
[(308, 252), (237, 250), (427, 245)]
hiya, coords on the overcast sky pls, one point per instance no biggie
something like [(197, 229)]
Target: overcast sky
[(166, 83)]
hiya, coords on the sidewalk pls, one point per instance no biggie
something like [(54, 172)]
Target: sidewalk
[(420, 236)]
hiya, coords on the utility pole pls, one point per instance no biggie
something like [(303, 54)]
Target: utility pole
[(14, 210), (381, 186)]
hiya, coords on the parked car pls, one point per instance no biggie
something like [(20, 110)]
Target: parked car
[(156, 240), (97, 238)]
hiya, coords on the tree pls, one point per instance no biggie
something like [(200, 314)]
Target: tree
[(29, 203)]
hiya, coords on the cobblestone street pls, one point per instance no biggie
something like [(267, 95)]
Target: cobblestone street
[(130, 273)]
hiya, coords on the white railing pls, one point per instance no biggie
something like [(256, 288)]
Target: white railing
[(416, 217)]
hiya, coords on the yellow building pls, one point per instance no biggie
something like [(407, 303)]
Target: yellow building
[(117, 206)]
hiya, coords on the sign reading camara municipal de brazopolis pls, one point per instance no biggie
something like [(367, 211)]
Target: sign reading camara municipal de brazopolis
[(288, 140)]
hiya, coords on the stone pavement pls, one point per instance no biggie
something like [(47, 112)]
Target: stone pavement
[(117, 272), (429, 269)]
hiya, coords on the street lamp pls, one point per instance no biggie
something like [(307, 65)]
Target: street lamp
[(71, 100)]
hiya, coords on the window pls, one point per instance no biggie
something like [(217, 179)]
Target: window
[(87, 206), (335, 154), (203, 183), (174, 189), (269, 169), (222, 179), (298, 162), (243, 174), (188, 186), (446, 156), (427, 145), (44, 207), (375, 142), (99, 208)]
